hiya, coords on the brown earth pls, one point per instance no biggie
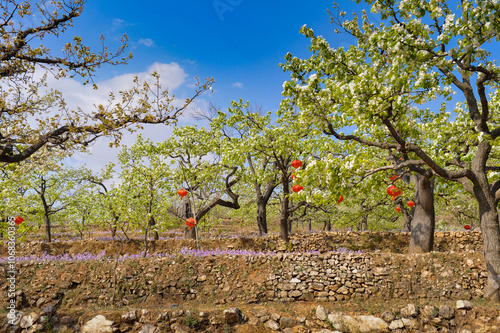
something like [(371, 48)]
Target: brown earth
[(483, 312)]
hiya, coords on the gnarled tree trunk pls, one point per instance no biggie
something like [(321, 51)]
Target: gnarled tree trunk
[(285, 204), (488, 214), (262, 217), (423, 222)]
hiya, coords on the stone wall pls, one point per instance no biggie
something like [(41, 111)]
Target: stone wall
[(341, 276), (286, 277)]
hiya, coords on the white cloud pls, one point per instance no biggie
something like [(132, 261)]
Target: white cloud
[(172, 77), (146, 42), (238, 85)]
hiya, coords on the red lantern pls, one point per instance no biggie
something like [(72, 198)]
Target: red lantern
[(467, 227), (340, 199), (190, 223), (410, 204), (297, 188), (182, 192), (296, 163), (18, 220), (398, 209), (394, 177), (393, 191)]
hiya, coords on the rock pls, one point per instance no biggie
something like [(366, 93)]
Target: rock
[(295, 280), (317, 286), (295, 293), (17, 318), (34, 329), (446, 312), (130, 316), (178, 328), (215, 320), (275, 316), (163, 316), (40, 302), (148, 328), (464, 305), (272, 325), (288, 322), (62, 329), (430, 311), (343, 290), (177, 313), (362, 324), (410, 311), (233, 316), (99, 324), (367, 324), (262, 313), (388, 316), (396, 324), (337, 321), (203, 314), (48, 310), (253, 322), (68, 321), (321, 313), (299, 329), (29, 320)]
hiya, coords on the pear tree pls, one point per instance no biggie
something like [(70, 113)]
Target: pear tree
[(392, 90), (202, 169), (34, 116), (145, 171)]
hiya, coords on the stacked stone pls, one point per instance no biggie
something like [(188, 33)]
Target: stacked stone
[(461, 318)]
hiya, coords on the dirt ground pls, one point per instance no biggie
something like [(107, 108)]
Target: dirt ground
[(396, 243)]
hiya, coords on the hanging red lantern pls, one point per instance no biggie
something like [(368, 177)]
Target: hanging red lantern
[(18, 220), (394, 177), (467, 227), (297, 188), (398, 209), (410, 204), (296, 163), (190, 223), (182, 192), (393, 191), (340, 199)]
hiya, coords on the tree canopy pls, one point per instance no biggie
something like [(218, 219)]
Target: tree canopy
[(33, 116)]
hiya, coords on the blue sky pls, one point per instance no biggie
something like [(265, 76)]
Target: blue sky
[(239, 43)]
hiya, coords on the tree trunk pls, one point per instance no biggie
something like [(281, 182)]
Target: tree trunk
[(423, 222), (152, 223), (113, 232), (407, 218), (146, 241), (48, 236), (285, 203), (363, 224), (328, 225), (262, 217), (188, 212), (488, 214), (309, 225)]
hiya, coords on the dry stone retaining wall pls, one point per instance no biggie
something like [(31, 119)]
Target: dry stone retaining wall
[(284, 277)]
